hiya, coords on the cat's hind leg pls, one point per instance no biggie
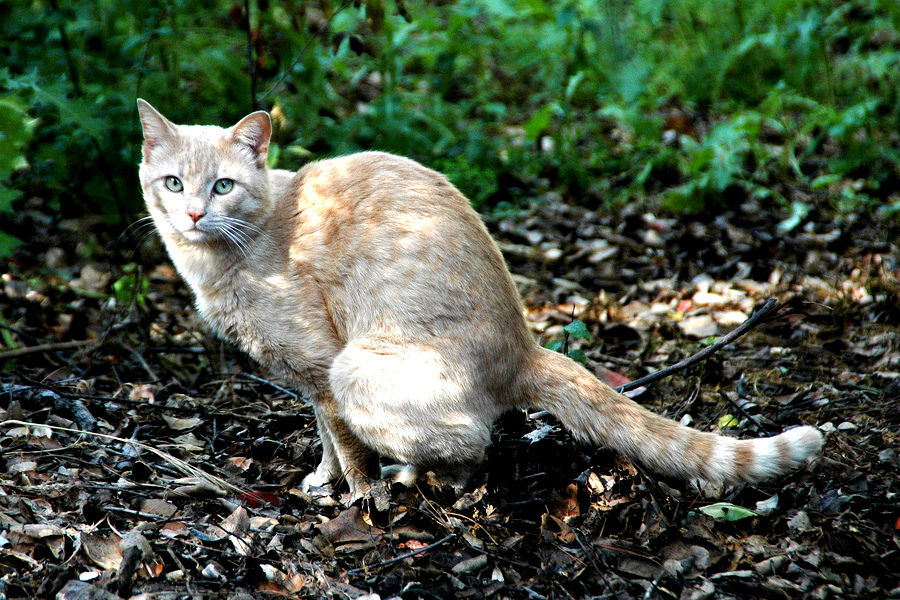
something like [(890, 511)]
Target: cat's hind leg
[(413, 404)]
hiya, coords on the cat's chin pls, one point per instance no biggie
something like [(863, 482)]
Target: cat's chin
[(196, 236)]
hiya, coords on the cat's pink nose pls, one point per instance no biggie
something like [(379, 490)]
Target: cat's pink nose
[(195, 215)]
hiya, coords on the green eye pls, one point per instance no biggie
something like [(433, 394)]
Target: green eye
[(223, 186), (173, 184)]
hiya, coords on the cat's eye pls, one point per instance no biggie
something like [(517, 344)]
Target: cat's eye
[(173, 184), (223, 186)]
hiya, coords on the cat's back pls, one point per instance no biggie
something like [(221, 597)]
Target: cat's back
[(388, 209), (376, 181), (384, 231)]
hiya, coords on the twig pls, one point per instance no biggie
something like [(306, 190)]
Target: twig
[(742, 410), (139, 357), (396, 559), (768, 312), (52, 347), (177, 463), (309, 40), (293, 395)]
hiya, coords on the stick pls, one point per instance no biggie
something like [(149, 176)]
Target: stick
[(385, 563), (176, 463), (45, 348), (768, 312)]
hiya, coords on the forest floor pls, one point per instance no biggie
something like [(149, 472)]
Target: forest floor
[(144, 459)]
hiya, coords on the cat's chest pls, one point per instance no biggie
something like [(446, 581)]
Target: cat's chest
[(278, 320)]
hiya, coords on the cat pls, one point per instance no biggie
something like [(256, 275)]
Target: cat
[(370, 283)]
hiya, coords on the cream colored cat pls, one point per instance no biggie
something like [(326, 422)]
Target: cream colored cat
[(370, 283)]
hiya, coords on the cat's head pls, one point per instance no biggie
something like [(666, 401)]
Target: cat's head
[(205, 184)]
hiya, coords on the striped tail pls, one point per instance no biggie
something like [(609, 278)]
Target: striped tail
[(594, 412)]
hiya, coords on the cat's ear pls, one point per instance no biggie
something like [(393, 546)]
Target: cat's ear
[(254, 131), (157, 128)]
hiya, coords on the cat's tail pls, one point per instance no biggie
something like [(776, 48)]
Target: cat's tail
[(594, 412)]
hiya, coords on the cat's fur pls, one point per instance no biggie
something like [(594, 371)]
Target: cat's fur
[(370, 283)]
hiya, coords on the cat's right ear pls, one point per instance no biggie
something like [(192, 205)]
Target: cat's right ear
[(157, 128)]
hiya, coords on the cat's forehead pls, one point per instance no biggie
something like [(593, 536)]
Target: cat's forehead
[(199, 150)]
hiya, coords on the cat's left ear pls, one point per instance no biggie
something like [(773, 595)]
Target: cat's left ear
[(254, 131)]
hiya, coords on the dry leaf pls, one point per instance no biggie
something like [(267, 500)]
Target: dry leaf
[(157, 506), (181, 424), (103, 550), (174, 529), (241, 462), (144, 392), (349, 526), (699, 326), (235, 526)]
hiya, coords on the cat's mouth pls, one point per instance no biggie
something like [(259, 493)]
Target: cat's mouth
[(195, 234)]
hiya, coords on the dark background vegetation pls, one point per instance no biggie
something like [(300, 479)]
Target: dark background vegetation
[(694, 105)]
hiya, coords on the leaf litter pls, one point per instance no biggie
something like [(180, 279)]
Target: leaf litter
[(189, 485)]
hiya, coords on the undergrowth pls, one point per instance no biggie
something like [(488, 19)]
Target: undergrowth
[(692, 106)]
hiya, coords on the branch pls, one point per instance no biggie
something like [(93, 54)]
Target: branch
[(771, 310), (286, 72), (385, 563), (53, 347)]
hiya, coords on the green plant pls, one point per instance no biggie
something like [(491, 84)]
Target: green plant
[(577, 330), (510, 98), (15, 131)]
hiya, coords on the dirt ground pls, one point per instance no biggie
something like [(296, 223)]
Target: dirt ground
[(145, 459)]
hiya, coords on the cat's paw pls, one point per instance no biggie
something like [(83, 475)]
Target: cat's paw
[(316, 479)]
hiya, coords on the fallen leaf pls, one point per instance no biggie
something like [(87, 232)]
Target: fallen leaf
[(257, 499), (699, 326), (103, 550), (235, 527), (725, 511), (174, 529), (241, 462), (349, 526), (611, 378), (157, 506), (181, 424)]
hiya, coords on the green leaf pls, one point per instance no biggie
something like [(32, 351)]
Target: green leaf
[(799, 210), (725, 511), (578, 356), (6, 335), (822, 182), (131, 288), (726, 421), (539, 121), (7, 196), (578, 330), (8, 244), (574, 81), (555, 345)]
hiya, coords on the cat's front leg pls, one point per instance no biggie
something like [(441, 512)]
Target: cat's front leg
[(329, 468), (343, 454)]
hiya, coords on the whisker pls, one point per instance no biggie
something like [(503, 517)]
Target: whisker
[(240, 233), (137, 228), (233, 235)]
